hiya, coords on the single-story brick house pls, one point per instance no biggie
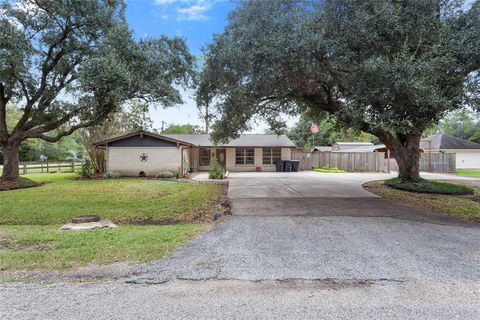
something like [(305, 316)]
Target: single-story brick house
[(145, 153)]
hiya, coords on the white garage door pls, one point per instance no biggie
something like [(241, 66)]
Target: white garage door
[(468, 160)]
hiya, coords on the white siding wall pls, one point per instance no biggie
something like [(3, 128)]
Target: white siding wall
[(466, 159), (127, 160)]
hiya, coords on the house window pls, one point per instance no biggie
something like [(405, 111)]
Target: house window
[(204, 157), (271, 155), (244, 155)]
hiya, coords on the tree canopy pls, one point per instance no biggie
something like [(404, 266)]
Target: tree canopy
[(331, 131), (183, 129), (462, 123), (389, 68), (69, 64)]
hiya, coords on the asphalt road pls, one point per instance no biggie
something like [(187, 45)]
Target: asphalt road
[(306, 255)]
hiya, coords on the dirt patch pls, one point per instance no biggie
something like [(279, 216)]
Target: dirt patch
[(20, 183)]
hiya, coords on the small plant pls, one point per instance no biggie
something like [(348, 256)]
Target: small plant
[(329, 170), (165, 175), (177, 174), (87, 170), (216, 171), (112, 175)]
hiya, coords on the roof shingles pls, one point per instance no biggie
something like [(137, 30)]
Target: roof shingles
[(445, 141)]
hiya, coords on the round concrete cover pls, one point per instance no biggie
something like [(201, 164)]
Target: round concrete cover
[(86, 218)]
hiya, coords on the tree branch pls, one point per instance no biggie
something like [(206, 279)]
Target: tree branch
[(65, 133), (3, 114)]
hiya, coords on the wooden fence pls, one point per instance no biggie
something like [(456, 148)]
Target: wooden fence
[(49, 166), (348, 161), (371, 161), (434, 162)]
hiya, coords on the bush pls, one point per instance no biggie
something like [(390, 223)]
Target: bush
[(216, 171), (87, 170), (165, 175), (329, 170), (176, 174), (112, 175), (427, 186)]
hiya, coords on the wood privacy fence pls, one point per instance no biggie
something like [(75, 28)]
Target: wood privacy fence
[(370, 161), (434, 162), (49, 166), (348, 161)]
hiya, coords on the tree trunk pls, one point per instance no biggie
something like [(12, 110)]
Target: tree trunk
[(407, 153), (11, 159)]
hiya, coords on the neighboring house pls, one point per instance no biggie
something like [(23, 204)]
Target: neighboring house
[(467, 153), (322, 149), (144, 153), (344, 146)]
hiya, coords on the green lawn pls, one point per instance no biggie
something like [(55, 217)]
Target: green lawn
[(468, 173), (466, 207), (121, 200), (48, 248), (30, 220)]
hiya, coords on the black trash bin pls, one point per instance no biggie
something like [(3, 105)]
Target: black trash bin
[(287, 167), (279, 165), (295, 165)]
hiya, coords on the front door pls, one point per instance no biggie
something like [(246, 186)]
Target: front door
[(221, 157)]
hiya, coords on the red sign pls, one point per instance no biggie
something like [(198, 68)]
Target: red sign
[(314, 128)]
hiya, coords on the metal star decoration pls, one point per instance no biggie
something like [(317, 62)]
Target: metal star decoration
[(143, 157)]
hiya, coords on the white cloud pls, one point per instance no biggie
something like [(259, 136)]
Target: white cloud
[(196, 12), (163, 2), (188, 10)]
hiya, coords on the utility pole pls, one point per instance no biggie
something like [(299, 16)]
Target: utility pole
[(163, 126)]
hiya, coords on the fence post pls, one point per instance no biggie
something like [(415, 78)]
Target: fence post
[(48, 167), (24, 168), (59, 166)]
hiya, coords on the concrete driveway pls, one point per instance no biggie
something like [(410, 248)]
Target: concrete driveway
[(299, 246)]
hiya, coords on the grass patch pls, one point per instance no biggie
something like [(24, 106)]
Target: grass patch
[(20, 183), (468, 173), (466, 207), (125, 200), (329, 170), (428, 186), (48, 248)]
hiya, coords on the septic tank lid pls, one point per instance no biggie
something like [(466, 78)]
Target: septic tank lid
[(86, 218)]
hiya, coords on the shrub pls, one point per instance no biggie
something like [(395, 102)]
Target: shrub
[(427, 186), (165, 175), (86, 170), (176, 174), (112, 175), (216, 171), (329, 170)]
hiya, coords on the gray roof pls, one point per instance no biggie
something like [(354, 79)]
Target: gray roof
[(245, 140), (361, 148), (445, 141), (323, 148), (354, 143)]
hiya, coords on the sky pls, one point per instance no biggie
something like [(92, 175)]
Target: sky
[(196, 21)]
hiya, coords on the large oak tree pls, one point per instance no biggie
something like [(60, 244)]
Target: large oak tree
[(69, 64), (389, 68)]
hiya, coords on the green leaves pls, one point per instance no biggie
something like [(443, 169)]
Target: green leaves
[(71, 63), (387, 66)]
